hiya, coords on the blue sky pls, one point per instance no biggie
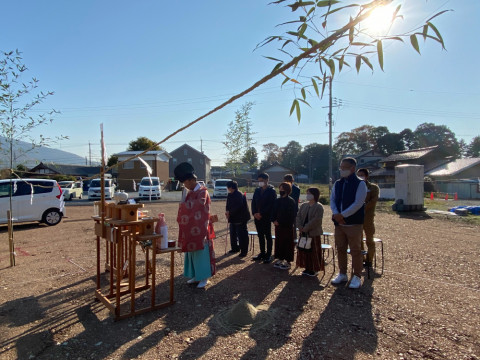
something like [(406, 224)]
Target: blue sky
[(146, 68)]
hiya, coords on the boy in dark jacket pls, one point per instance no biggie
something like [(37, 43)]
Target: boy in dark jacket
[(262, 207), (238, 215)]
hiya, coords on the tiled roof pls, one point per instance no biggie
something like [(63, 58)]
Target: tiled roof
[(454, 167), (65, 169), (382, 172), (410, 154)]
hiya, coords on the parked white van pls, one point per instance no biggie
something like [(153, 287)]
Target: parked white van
[(220, 188), (94, 191), (45, 205), (150, 188)]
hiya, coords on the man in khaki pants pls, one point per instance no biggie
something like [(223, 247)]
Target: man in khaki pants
[(347, 202), (373, 191)]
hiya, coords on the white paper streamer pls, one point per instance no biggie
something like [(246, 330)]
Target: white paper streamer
[(31, 194), (134, 185), (149, 172), (14, 187)]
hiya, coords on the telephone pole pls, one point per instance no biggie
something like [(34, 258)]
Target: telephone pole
[(90, 153)]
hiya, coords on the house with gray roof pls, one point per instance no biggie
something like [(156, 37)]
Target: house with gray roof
[(461, 177), (430, 157)]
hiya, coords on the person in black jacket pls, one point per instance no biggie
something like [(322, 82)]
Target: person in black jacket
[(262, 206), (283, 217), (295, 194), (238, 214)]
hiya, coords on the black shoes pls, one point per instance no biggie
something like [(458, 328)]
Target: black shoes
[(258, 257), (267, 259), (242, 255), (233, 251)]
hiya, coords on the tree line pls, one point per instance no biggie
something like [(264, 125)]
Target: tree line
[(312, 159)]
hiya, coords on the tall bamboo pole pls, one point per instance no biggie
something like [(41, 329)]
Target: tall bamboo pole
[(11, 247)]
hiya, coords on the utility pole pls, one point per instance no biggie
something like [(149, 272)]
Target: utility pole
[(90, 153), (201, 145)]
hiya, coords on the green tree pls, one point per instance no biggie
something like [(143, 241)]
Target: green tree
[(273, 153), (429, 134), (409, 139), (142, 143), (238, 137), (314, 52), (112, 160), (474, 147), (251, 158), (389, 143), (291, 155), (314, 162), (359, 139)]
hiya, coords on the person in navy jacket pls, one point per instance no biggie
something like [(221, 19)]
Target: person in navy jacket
[(347, 202)]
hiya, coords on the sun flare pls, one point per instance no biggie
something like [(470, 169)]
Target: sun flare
[(379, 21)]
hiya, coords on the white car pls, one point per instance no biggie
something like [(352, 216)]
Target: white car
[(150, 188), (94, 191), (71, 189), (220, 188), (45, 204)]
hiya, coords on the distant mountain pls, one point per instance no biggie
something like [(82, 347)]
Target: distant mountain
[(25, 155)]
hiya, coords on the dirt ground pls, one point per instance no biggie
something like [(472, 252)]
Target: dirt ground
[(424, 305)]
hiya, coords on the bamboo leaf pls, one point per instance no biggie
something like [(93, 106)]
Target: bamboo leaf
[(324, 3), (272, 58), (315, 86), (299, 115), (414, 41), (380, 53), (394, 38), (304, 95), (350, 33), (437, 33), (367, 61), (276, 67), (340, 63), (437, 14), (360, 44), (302, 29), (324, 83), (425, 31), (358, 63), (293, 106)]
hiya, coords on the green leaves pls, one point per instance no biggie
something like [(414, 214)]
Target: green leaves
[(327, 3), (414, 42), (380, 53), (296, 106)]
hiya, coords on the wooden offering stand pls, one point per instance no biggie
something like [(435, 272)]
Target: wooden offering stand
[(123, 231)]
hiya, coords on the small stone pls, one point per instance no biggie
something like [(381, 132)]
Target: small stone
[(99, 343)]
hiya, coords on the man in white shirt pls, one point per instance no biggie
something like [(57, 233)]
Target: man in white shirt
[(347, 202)]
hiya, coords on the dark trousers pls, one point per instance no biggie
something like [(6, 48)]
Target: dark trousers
[(239, 237), (264, 230)]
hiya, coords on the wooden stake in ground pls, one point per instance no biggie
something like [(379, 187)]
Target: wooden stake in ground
[(11, 247)]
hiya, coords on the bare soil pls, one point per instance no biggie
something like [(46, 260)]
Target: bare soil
[(425, 304)]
